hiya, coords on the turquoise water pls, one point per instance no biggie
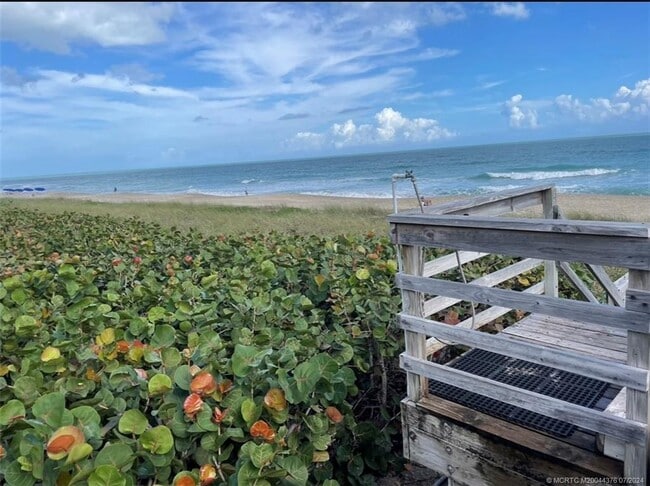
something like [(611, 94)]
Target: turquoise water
[(604, 165)]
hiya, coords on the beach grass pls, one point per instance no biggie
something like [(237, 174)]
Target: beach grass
[(215, 219), (302, 215)]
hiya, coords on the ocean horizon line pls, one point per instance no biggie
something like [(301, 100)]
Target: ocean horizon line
[(323, 157)]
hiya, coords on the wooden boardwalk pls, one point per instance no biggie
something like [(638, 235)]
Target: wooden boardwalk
[(610, 343)]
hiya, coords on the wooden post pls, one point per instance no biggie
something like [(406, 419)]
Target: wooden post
[(549, 201), (637, 458), (413, 304)]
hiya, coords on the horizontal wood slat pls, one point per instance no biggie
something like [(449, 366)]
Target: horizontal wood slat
[(617, 373), (628, 430), (582, 311)]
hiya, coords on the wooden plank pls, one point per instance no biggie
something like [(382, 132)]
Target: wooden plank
[(462, 465), (515, 439), (637, 456), (603, 279), (614, 447), (562, 343), (632, 431), (447, 262), (518, 198), (572, 325), (549, 200), (637, 300), (617, 373), (619, 251), (615, 229), (437, 304), (481, 319), (595, 339), (587, 311), (577, 282), (412, 303)]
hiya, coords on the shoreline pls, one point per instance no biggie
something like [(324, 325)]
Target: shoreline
[(622, 207)]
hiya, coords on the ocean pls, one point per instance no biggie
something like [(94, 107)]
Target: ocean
[(597, 165)]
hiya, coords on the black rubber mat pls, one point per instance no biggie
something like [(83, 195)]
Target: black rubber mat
[(522, 374)]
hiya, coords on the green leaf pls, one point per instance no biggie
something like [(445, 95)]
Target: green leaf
[(297, 473), (355, 466), (250, 412), (262, 455), (159, 384), (25, 326), (118, 455), (325, 364), (72, 288), (171, 357), (49, 408), (15, 476), (307, 375), (158, 440), (183, 377), (164, 336), (268, 269), (19, 296), (156, 314), (66, 271), (79, 452), (132, 422), (247, 474), (321, 442), (26, 389), (10, 411), (106, 475), (88, 420), (362, 274), (244, 359)]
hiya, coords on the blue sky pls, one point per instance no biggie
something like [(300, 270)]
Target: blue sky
[(102, 86)]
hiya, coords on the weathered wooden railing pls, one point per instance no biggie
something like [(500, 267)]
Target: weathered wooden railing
[(545, 240)]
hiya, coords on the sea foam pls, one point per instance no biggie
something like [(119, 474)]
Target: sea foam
[(539, 175)]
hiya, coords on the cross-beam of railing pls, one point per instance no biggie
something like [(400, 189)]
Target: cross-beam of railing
[(593, 243)]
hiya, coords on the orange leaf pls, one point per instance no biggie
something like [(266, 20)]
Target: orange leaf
[(192, 405), (334, 415), (123, 347), (185, 481), (63, 440), (451, 317), (218, 415), (203, 384), (207, 474), (263, 430), (274, 399), (224, 387)]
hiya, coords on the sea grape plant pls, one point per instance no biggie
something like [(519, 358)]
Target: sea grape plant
[(135, 354)]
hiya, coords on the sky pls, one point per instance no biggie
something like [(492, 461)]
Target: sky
[(90, 87)]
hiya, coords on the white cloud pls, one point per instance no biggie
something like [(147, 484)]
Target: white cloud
[(519, 114), (516, 10), (390, 126), (310, 43), (54, 26), (308, 140), (53, 82), (625, 102), (134, 72), (445, 13), (489, 85)]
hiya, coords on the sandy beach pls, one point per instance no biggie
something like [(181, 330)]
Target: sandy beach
[(592, 206)]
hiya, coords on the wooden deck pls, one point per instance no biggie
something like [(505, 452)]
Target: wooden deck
[(609, 343)]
